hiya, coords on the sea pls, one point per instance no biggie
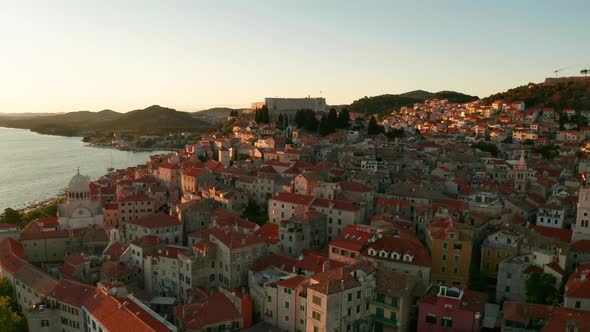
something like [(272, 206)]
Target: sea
[(34, 167)]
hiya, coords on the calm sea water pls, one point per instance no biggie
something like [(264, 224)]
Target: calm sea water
[(34, 167)]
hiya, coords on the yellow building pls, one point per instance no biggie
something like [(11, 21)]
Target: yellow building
[(450, 244), (496, 248)]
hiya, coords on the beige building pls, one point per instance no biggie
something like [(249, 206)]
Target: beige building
[(134, 207), (338, 300)]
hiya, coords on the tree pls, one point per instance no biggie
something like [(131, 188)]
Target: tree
[(233, 113), (584, 72), (6, 287), (280, 121), (333, 117), (262, 115), (11, 216), (373, 128), (540, 289), (326, 127), (343, 119), (394, 133), (10, 321), (486, 147), (359, 123)]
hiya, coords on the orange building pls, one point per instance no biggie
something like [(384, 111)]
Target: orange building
[(450, 244)]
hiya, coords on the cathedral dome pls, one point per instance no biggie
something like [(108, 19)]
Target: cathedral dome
[(79, 184)]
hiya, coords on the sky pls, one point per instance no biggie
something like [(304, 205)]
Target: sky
[(61, 56)]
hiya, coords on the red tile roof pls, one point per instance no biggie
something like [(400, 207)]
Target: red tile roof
[(292, 282), (554, 318), (216, 309), (403, 242), (354, 186), (157, 220), (276, 260), (578, 285), (335, 204), (294, 198), (120, 314), (316, 262), (269, 232), (71, 292), (564, 235), (354, 237), (580, 246), (147, 241)]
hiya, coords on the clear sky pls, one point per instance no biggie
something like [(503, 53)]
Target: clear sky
[(60, 56)]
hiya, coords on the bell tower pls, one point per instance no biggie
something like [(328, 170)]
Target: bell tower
[(521, 175), (582, 227)]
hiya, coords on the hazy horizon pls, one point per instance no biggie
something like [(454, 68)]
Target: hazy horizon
[(65, 56)]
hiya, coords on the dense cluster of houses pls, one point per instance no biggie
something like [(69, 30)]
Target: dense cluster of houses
[(275, 228)]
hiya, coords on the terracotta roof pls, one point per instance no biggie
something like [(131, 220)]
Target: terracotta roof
[(157, 220), (335, 204), (75, 259), (120, 314), (116, 249), (354, 186), (216, 309), (338, 279), (71, 292), (292, 282), (554, 318), (269, 232), (580, 246), (354, 237), (277, 260), (564, 235), (147, 241), (402, 242), (315, 262), (294, 198)]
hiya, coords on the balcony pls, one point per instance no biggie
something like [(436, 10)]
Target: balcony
[(384, 320), (382, 304)]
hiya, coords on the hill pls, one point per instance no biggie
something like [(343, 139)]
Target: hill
[(391, 102), (559, 94), (153, 118), (217, 114)]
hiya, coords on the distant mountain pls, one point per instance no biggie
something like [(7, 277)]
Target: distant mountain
[(559, 94), (153, 118), (391, 102)]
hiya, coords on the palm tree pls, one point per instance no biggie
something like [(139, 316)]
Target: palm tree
[(584, 72)]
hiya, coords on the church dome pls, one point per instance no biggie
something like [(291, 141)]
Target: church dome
[(79, 184)]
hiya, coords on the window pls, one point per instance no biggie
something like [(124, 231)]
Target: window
[(349, 312), (286, 305), (316, 315), (44, 323), (508, 275), (445, 245), (316, 300), (287, 290), (578, 304), (349, 297), (456, 259), (457, 246), (446, 322), (430, 319), (358, 294), (269, 299), (444, 257)]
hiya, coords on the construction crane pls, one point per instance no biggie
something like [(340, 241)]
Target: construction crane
[(558, 70)]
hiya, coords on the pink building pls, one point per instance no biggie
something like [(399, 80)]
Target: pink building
[(451, 309)]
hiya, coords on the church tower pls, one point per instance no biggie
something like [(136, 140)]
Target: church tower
[(79, 209), (520, 175), (581, 228)]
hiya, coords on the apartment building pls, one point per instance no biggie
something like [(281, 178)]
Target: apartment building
[(497, 247), (451, 309), (338, 299), (450, 244), (134, 207), (162, 271)]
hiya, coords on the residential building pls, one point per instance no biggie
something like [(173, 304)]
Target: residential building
[(450, 245), (450, 308)]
